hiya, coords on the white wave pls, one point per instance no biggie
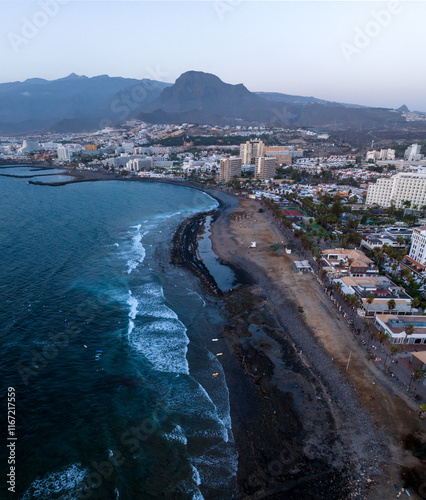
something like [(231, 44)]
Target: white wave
[(151, 299), (133, 303), (193, 292), (164, 344), (137, 251), (196, 475), (64, 482), (191, 486), (177, 434), (161, 217), (217, 466), (215, 203)]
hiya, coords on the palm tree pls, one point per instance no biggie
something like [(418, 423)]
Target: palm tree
[(409, 329), (394, 349), (370, 298), (369, 328), (383, 336), (417, 376), (391, 304), (415, 303), (338, 285), (357, 302)]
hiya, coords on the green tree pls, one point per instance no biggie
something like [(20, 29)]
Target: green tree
[(415, 303), (383, 337), (394, 349), (417, 376), (391, 304), (409, 329)]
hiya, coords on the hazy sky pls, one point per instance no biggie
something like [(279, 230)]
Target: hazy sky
[(368, 53)]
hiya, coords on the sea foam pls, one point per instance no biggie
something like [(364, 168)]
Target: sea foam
[(65, 482), (137, 252)]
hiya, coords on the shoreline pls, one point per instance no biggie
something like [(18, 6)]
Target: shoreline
[(284, 403), (277, 404)]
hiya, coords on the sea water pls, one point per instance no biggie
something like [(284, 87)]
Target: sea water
[(108, 346)]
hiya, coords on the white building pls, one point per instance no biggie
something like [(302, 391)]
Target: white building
[(64, 153), (229, 168), (383, 154), (138, 164), (372, 155), (251, 150), (387, 154), (418, 246), (396, 327), (397, 189), (412, 153), (29, 146), (265, 167)]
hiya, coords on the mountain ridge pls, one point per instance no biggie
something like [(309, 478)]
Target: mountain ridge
[(77, 103)]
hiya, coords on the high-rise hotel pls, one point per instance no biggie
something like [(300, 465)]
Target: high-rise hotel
[(405, 186)]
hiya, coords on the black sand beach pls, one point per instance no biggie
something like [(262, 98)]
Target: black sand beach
[(299, 426), (299, 431)]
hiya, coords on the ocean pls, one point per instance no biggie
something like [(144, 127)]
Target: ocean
[(108, 346)]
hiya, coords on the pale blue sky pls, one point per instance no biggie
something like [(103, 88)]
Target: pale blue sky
[(306, 48)]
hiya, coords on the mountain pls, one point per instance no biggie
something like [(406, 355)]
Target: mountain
[(78, 103), (205, 99), (403, 109), (293, 99), (37, 104), (207, 95)]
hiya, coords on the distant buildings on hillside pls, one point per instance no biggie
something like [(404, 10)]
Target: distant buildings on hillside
[(412, 153), (383, 154), (267, 158)]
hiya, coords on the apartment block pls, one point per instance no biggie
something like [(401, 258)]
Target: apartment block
[(265, 167), (251, 150), (138, 164), (412, 153), (405, 186), (282, 153), (229, 168), (64, 153), (418, 246)]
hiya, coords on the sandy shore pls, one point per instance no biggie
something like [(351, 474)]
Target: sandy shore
[(295, 365)]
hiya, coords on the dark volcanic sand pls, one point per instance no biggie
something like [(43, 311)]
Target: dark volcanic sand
[(299, 430)]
